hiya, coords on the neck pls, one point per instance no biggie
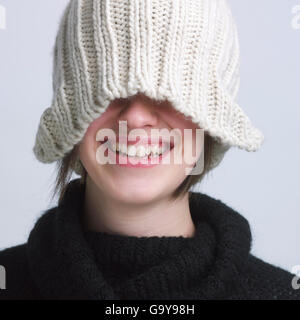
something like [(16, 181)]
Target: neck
[(161, 217)]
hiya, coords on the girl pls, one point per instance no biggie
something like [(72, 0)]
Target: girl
[(130, 227)]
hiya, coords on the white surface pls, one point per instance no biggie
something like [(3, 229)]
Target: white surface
[(262, 186)]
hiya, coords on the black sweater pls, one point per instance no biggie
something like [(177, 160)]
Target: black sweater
[(62, 261)]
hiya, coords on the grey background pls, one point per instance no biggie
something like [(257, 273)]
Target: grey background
[(263, 186)]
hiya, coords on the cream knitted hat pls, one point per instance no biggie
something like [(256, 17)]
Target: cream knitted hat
[(185, 51)]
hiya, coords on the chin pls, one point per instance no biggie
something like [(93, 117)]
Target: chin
[(136, 194)]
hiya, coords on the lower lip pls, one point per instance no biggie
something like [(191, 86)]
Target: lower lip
[(134, 162)]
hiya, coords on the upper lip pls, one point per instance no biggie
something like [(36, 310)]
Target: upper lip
[(144, 141)]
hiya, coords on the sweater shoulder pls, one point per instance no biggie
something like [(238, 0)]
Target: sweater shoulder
[(267, 281), (10, 254), (14, 266)]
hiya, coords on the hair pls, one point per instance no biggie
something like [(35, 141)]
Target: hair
[(65, 168)]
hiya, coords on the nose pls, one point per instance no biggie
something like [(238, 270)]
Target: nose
[(138, 114)]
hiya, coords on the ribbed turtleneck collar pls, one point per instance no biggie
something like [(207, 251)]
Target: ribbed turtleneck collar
[(165, 266), (68, 262)]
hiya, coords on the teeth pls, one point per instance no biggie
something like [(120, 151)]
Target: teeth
[(155, 149), (131, 151), (148, 150), (114, 147), (140, 151), (123, 148)]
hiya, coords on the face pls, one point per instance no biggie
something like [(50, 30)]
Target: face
[(145, 178)]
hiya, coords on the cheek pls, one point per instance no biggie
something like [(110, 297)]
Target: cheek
[(88, 145), (193, 147), (85, 150), (192, 142), (101, 122)]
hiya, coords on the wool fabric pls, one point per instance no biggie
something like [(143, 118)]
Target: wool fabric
[(186, 52), (63, 260)]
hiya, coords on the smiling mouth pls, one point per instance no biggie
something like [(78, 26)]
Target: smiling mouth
[(148, 155), (140, 150)]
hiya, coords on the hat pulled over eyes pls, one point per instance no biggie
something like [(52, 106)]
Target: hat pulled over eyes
[(183, 51)]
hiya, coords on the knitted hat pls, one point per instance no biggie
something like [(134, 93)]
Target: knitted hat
[(185, 51)]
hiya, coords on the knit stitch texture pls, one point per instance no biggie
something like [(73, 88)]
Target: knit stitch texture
[(186, 52), (61, 260)]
